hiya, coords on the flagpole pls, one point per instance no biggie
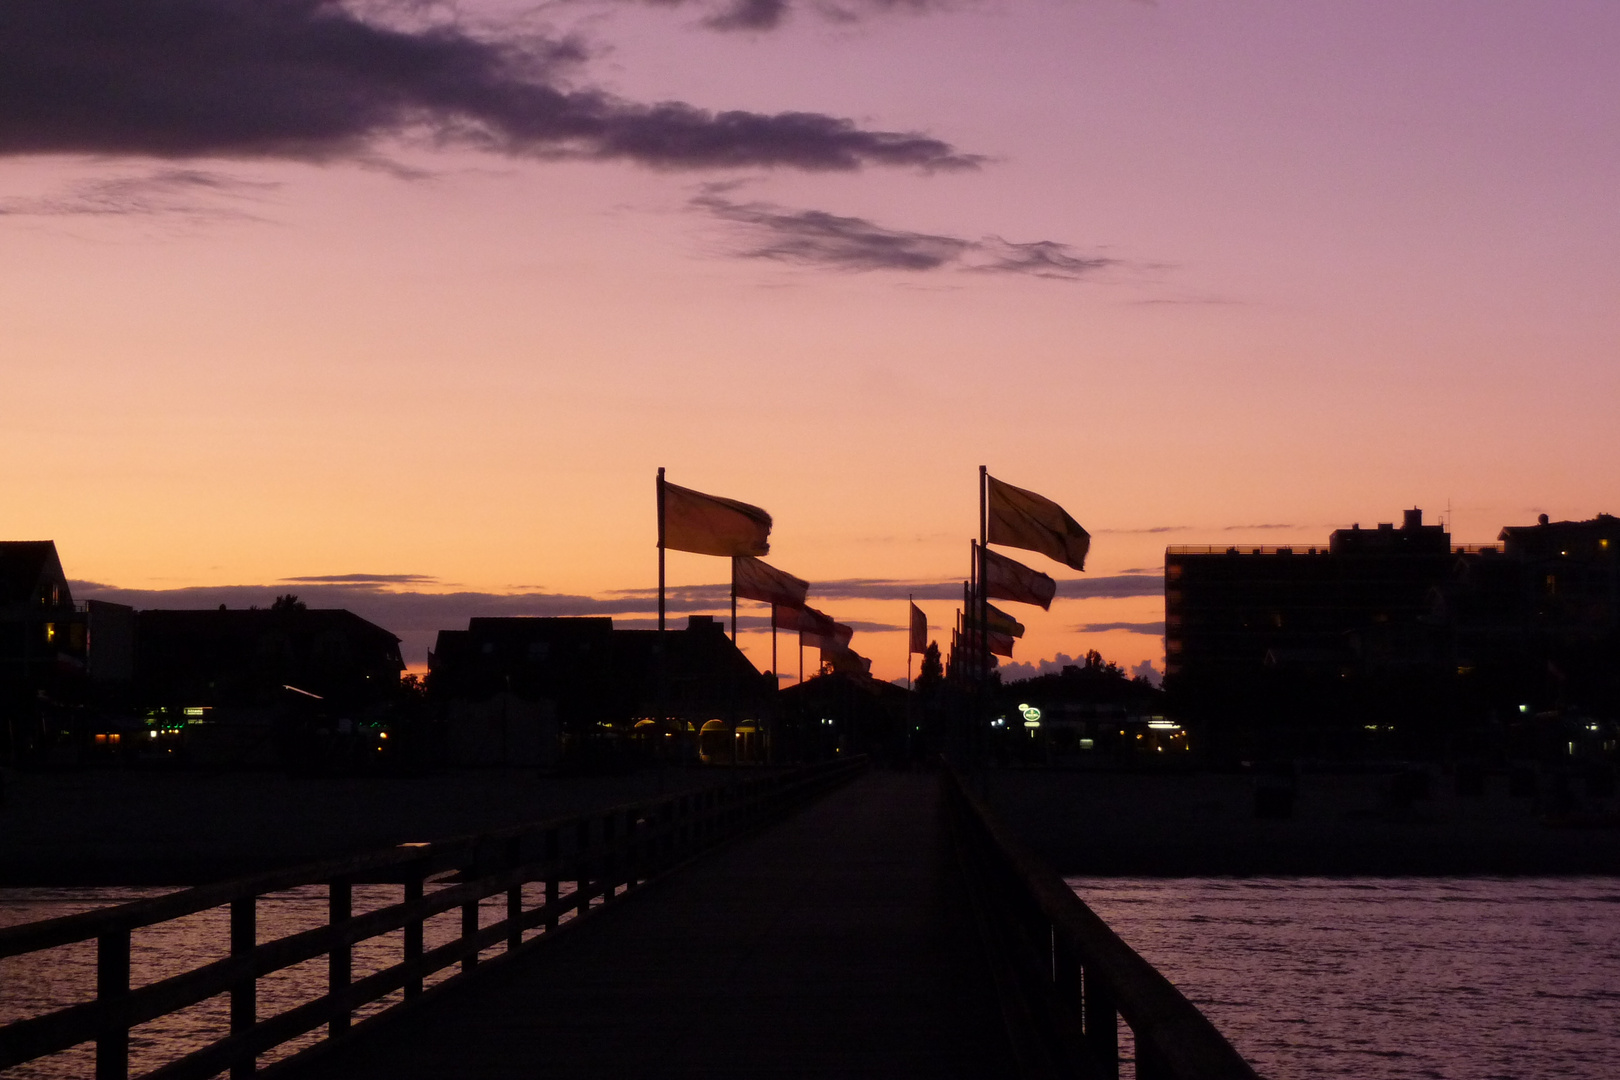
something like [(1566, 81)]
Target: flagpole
[(777, 675), (660, 547), (983, 597), (734, 599), (910, 600)]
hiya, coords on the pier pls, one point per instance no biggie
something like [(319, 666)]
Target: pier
[(829, 921)]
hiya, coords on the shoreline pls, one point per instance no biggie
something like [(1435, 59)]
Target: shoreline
[(1118, 824)]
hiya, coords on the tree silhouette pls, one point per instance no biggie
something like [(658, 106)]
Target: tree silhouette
[(932, 673), (288, 602)]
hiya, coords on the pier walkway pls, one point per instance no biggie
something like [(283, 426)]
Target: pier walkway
[(838, 943)]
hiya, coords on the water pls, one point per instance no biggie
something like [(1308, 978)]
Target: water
[(1377, 979), (40, 982)]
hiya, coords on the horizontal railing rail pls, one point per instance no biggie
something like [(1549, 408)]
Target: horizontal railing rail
[(1073, 976), (601, 854)]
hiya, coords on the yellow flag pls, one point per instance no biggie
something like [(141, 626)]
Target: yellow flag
[(1023, 519), (710, 525)]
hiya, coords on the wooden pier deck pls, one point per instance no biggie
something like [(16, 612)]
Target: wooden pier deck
[(836, 944)]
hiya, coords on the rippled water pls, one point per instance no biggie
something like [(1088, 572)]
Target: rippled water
[(40, 982), (1454, 978)]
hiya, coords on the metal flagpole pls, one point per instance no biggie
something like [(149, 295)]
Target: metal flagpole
[(660, 547), (909, 603), (984, 592), (775, 673), (734, 599), (658, 667)]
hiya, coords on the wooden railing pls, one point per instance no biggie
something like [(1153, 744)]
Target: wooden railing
[(602, 854), (1064, 977)]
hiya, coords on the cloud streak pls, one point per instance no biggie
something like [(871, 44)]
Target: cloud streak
[(819, 239), (190, 193), (312, 80), (1156, 629)]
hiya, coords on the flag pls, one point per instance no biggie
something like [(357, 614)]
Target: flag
[(1008, 579), (1000, 644), (754, 580), (846, 661), (1023, 519), (834, 635), (816, 629), (999, 622), (710, 525), (919, 630)]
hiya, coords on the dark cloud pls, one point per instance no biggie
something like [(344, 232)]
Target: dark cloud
[(817, 238), (1112, 587), (1246, 528), (1156, 629), (769, 14), (312, 80), (749, 15), (417, 617)]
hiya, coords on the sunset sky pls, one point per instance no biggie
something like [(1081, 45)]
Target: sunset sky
[(400, 306)]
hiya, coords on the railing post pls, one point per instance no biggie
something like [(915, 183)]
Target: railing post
[(1102, 1027), (112, 994), (514, 895), (339, 962), (553, 882), (244, 995), (469, 918), (582, 867), (413, 934), (632, 843)]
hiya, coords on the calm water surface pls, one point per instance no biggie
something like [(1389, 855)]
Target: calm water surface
[(1455, 978)]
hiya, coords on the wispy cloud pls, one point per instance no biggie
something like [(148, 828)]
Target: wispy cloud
[(374, 580), (1146, 531), (1156, 629), (175, 192), (316, 80), (821, 239)]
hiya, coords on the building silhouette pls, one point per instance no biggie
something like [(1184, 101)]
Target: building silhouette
[(616, 694), (1393, 640)]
